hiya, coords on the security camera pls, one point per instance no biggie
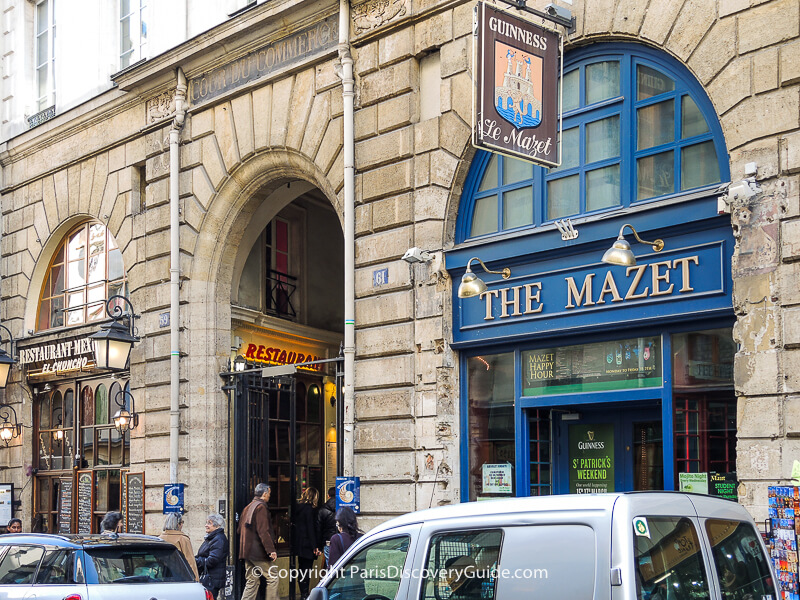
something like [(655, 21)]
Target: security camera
[(736, 191), (743, 189), (417, 255), (558, 11)]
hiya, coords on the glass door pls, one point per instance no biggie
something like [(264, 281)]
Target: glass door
[(614, 448)]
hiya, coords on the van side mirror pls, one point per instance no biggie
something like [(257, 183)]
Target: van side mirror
[(318, 593)]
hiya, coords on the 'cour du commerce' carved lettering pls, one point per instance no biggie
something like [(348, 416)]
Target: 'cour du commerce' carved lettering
[(264, 61)]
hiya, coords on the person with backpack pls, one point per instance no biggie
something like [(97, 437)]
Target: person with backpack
[(326, 517), (347, 524)]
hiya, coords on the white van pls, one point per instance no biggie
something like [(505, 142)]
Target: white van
[(629, 546)]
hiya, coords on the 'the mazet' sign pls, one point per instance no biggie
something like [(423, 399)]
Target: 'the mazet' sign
[(517, 66), (572, 295)]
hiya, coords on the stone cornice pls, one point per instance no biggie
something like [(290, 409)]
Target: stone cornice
[(235, 37)]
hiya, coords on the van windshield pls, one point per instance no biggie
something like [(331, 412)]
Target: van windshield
[(741, 566), (669, 562)]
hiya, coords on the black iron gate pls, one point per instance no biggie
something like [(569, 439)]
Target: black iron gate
[(250, 397)]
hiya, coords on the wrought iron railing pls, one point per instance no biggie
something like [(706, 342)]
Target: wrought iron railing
[(280, 289)]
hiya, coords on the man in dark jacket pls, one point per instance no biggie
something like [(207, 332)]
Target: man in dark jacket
[(257, 546), (327, 522)]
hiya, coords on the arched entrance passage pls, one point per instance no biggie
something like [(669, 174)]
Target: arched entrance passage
[(286, 309), (270, 255)]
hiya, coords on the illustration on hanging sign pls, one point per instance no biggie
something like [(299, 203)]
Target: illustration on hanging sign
[(518, 89), (517, 67)]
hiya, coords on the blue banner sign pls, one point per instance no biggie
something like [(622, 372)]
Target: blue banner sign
[(567, 294), (348, 493), (173, 498)]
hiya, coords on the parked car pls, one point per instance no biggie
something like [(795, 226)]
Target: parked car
[(94, 567), (629, 546)]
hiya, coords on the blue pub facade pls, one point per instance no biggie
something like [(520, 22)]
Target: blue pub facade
[(579, 376)]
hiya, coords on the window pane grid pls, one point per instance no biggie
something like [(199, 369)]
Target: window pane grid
[(78, 281), (634, 129)]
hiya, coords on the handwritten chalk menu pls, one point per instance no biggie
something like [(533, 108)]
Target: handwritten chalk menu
[(134, 482), (124, 502), (6, 501), (85, 501), (65, 505)]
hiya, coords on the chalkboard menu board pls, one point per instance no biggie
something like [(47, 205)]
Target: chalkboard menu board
[(124, 502), (134, 482), (85, 501), (65, 505)]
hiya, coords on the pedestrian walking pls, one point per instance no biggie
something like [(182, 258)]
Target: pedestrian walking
[(347, 524), (14, 526), (305, 536), (257, 545), (213, 555), (326, 518), (173, 526)]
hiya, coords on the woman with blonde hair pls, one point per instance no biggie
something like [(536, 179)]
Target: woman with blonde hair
[(172, 533), (305, 536)]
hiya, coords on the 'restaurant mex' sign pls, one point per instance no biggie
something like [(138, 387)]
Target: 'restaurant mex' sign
[(516, 106)]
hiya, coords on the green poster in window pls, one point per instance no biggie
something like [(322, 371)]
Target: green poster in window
[(591, 458)]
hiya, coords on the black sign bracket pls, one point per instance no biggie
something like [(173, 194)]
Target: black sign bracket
[(556, 14)]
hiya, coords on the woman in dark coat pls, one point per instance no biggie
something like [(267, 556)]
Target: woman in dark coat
[(349, 532), (305, 536), (213, 555)]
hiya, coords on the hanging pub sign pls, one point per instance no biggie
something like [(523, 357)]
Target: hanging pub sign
[(517, 66)]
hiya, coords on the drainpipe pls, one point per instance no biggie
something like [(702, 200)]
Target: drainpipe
[(174, 274), (348, 84)]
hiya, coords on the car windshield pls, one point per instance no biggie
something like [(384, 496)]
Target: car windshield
[(137, 564)]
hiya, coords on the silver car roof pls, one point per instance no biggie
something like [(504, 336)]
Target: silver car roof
[(631, 503)]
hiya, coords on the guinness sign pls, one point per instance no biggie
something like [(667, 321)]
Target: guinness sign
[(517, 65)]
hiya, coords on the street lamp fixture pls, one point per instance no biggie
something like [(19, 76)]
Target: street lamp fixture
[(124, 419), (620, 252), (58, 433), (5, 360), (113, 343), (10, 428), (472, 285)]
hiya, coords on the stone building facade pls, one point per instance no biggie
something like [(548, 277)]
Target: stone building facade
[(265, 146)]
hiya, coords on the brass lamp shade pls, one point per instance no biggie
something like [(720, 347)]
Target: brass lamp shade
[(471, 285), (620, 254)]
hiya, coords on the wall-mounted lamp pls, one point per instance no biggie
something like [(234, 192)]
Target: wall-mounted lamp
[(46, 388), (125, 419), (330, 392), (113, 343), (10, 428), (472, 285), (5, 360), (620, 252), (58, 434), (239, 363)]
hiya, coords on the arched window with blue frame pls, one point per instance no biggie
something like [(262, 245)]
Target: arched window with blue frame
[(637, 128)]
